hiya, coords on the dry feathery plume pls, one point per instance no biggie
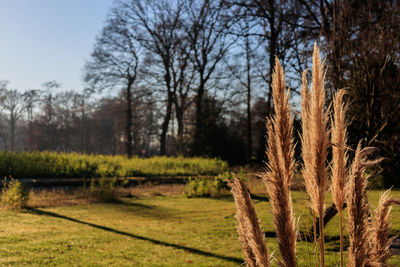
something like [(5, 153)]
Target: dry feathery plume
[(280, 168), (339, 160), (339, 156), (249, 258), (250, 234), (306, 147), (357, 204), (305, 115), (380, 229), (315, 141)]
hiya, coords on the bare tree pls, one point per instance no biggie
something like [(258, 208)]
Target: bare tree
[(106, 126), (3, 134), (160, 30), (114, 64), (82, 112), (208, 27), (48, 116), (242, 68), (13, 104), (361, 40), (277, 26)]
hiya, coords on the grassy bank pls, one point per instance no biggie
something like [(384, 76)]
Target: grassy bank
[(64, 165), (152, 231)]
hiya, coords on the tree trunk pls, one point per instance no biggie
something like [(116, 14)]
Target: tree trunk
[(272, 52), (12, 133), (136, 132), (179, 118), (199, 121), (128, 125), (249, 132), (164, 128)]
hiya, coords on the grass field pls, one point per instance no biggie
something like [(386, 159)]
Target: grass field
[(155, 231)]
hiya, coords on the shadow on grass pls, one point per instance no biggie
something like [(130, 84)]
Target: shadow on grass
[(259, 197), (306, 236), (138, 209), (134, 205), (154, 241), (229, 197)]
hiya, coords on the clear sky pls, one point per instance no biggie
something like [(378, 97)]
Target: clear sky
[(43, 40)]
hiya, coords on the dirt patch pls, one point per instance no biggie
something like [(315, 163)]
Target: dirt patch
[(79, 196), (148, 190)]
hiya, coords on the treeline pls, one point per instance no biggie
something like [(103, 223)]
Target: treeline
[(193, 78)]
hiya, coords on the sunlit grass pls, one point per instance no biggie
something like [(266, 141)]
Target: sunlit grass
[(64, 165), (155, 231)]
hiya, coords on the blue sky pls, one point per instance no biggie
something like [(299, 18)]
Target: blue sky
[(43, 40)]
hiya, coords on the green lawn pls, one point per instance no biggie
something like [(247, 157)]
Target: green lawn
[(156, 231)]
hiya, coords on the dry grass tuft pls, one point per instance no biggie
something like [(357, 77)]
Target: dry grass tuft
[(315, 137), (380, 228), (339, 155), (315, 141), (357, 202), (280, 152), (339, 160), (249, 230)]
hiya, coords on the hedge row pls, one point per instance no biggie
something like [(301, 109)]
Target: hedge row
[(65, 165)]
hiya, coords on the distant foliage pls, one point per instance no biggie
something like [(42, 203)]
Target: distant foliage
[(377, 182), (66, 165), (13, 194), (198, 188), (217, 186)]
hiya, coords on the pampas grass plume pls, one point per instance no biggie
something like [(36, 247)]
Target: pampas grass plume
[(380, 228), (280, 168), (339, 155), (359, 252), (315, 141), (369, 241), (249, 230), (339, 160)]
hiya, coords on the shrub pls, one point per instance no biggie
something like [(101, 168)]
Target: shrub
[(64, 165), (200, 187), (13, 194), (377, 182)]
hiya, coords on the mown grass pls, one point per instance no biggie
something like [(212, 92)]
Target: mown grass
[(64, 165), (152, 231)]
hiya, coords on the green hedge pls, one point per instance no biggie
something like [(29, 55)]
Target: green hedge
[(64, 165)]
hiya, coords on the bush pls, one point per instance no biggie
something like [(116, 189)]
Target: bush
[(377, 182), (13, 194), (65, 165), (199, 187)]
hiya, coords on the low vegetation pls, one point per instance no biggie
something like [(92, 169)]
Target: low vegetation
[(152, 231), (13, 194), (214, 187), (66, 165)]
